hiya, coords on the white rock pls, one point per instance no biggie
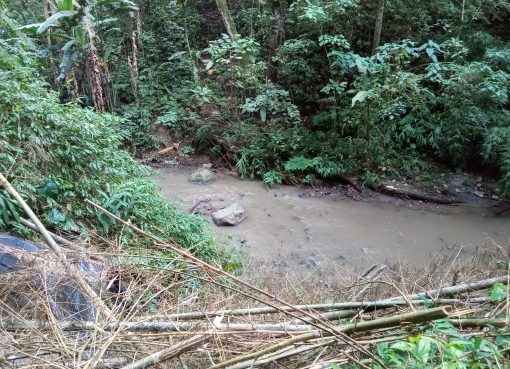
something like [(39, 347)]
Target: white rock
[(229, 216)]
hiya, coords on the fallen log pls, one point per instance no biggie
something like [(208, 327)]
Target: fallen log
[(415, 194)]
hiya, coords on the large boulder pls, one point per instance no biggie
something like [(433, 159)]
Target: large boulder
[(203, 175), (229, 216)]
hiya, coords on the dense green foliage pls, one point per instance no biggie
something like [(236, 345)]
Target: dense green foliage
[(436, 89), (296, 96), (57, 155), (298, 85), (443, 346)]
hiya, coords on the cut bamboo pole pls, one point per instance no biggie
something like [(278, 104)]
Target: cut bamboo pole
[(281, 354), (168, 353), (459, 288), (69, 268), (155, 326), (478, 323), (414, 317), (331, 307)]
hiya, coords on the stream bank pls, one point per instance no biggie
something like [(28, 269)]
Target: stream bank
[(305, 229)]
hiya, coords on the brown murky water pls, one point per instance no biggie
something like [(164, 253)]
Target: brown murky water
[(288, 230)]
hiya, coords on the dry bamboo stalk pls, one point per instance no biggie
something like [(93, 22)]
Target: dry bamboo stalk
[(334, 307), (268, 350), (73, 272), (155, 326), (476, 323), (459, 288), (415, 317), (61, 240), (284, 353), (324, 325), (385, 322), (169, 353)]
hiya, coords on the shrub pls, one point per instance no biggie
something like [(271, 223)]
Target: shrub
[(59, 155)]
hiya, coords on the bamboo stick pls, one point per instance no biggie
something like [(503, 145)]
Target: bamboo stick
[(459, 288), (284, 353), (169, 353), (334, 307), (477, 323), (414, 317), (70, 269), (154, 326)]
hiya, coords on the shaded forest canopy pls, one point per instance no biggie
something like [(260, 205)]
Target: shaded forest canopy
[(287, 91)]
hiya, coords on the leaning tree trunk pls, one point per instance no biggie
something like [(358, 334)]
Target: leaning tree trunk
[(228, 21), (276, 38), (378, 26)]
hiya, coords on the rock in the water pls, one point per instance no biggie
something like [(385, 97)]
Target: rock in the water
[(203, 175), (229, 216)]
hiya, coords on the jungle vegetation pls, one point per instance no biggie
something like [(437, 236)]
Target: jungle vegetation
[(287, 91), (284, 90)]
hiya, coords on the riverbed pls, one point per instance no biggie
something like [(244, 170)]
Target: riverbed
[(292, 228)]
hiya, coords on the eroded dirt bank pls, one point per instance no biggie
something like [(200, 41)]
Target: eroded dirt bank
[(292, 228)]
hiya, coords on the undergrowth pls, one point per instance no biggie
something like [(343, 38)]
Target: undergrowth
[(58, 155)]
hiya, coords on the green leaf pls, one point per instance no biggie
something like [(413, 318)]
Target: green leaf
[(65, 5), (55, 18), (48, 189), (402, 346), (298, 163), (55, 216), (359, 97), (498, 292)]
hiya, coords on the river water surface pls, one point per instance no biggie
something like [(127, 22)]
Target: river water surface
[(287, 228)]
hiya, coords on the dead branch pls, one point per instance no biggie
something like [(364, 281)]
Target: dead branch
[(163, 355), (414, 317), (459, 288), (70, 269)]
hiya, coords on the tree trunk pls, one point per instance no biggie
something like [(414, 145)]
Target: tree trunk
[(228, 21), (378, 26), (276, 38)]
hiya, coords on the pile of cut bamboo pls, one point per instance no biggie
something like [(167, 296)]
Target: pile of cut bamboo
[(158, 319)]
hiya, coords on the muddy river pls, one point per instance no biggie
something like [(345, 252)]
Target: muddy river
[(289, 228)]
